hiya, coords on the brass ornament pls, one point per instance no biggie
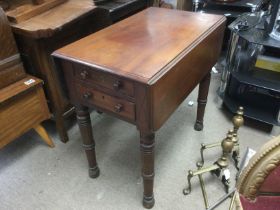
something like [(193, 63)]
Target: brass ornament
[(227, 146), (217, 168), (230, 146), (237, 121)]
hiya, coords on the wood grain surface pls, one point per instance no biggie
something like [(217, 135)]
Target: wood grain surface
[(47, 23), (19, 87), (11, 68), (146, 42), (21, 108), (28, 11), (8, 44), (175, 85)]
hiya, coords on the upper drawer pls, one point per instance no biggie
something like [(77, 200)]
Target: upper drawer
[(111, 82)]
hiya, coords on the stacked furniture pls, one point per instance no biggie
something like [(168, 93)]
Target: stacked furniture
[(23, 104), (38, 36)]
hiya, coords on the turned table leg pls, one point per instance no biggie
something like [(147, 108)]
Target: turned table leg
[(202, 100), (88, 141), (147, 145)]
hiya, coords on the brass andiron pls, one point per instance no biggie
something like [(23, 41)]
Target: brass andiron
[(219, 167), (237, 121)]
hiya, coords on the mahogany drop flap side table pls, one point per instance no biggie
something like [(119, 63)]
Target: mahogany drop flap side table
[(140, 70)]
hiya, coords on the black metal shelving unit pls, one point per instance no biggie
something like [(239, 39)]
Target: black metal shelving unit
[(261, 79), (245, 84), (256, 113), (231, 10), (120, 9)]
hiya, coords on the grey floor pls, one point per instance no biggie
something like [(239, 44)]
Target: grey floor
[(34, 176)]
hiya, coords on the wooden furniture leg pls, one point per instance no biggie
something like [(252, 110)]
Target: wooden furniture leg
[(40, 60), (147, 144), (44, 135), (202, 100), (60, 127), (84, 122), (58, 102)]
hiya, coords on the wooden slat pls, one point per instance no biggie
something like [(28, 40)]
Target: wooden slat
[(11, 74), (26, 12), (11, 68), (47, 23), (10, 61), (17, 88), (7, 42)]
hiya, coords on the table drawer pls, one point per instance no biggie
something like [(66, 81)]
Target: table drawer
[(119, 106), (111, 82)]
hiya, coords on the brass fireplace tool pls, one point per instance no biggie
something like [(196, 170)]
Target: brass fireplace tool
[(237, 121), (229, 146)]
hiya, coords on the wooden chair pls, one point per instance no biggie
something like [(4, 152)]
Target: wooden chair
[(258, 187), (22, 101)]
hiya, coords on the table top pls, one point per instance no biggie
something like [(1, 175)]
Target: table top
[(143, 46), (47, 23)]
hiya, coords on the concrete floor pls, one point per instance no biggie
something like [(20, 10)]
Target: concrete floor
[(33, 176)]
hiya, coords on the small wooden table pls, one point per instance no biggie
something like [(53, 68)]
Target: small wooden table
[(140, 70)]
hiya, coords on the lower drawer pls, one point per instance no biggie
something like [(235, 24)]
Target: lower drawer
[(118, 106)]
